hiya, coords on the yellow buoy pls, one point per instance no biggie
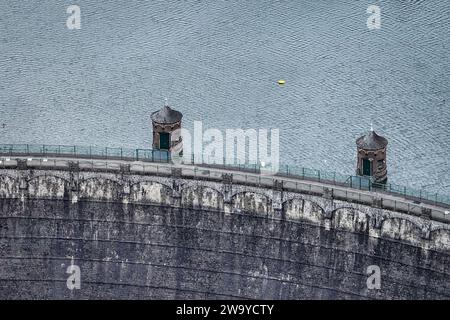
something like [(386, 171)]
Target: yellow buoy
[(281, 82)]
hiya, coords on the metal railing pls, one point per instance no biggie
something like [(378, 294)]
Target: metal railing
[(162, 156), (85, 152)]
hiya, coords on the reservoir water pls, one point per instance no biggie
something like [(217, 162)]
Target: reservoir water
[(219, 62)]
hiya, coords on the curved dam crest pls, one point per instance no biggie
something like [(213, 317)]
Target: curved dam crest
[(167, 236)]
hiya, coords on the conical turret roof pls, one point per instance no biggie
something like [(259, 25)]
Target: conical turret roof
[(371, 141), (166, 115)]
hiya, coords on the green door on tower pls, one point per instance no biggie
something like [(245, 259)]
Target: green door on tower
[(367, 167), (164, 141)]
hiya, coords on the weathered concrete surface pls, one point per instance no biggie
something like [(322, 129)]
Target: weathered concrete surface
[(143, 236)]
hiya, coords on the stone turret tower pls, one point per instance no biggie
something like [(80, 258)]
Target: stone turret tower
[(165, 121), (372, 156)]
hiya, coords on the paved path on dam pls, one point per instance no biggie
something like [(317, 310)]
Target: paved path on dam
[(201, 172)]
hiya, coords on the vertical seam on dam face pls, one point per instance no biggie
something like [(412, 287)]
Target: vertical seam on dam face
[(157, 236)]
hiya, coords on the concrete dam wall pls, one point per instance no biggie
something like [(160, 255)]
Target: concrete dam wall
[(167, 236)]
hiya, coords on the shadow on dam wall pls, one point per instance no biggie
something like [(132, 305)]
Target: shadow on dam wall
[(146, 251), (206, 246)]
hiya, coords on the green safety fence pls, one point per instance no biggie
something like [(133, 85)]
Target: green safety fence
[(162, 156), (356, 182), (86, 152)]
